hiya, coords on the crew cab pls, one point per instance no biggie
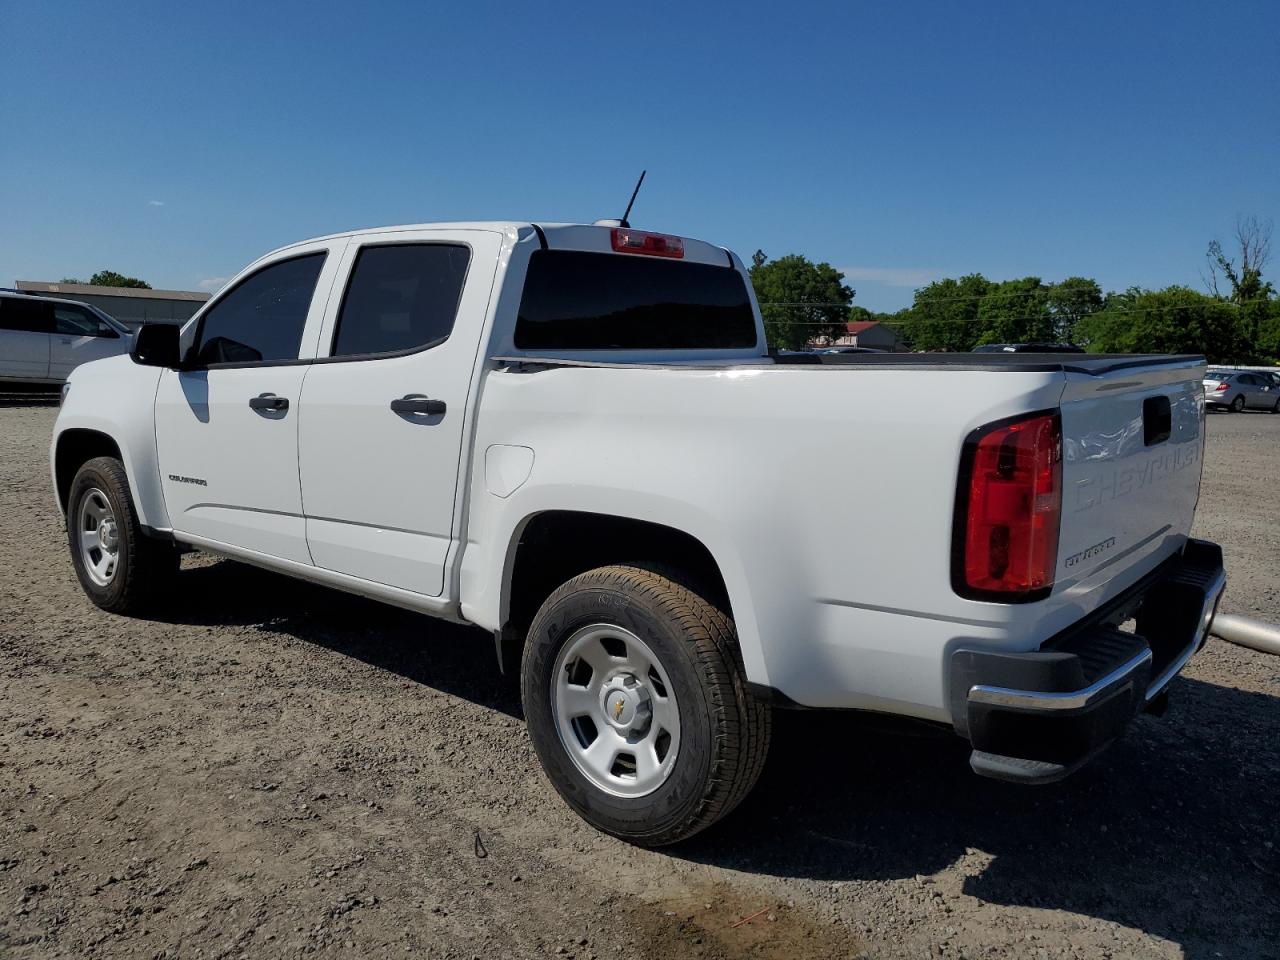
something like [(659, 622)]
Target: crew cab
[(576, 437)]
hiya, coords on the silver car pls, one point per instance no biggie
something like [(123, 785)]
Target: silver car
[(42, 339), (1235, 390)]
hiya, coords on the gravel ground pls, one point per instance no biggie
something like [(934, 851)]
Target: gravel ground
[(268, 769)]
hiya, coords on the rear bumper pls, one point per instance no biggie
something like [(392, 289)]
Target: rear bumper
[(1037, 717)]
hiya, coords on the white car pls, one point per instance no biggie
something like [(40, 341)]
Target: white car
[(576, 438), (42, 339)]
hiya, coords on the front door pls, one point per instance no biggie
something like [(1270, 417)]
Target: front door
[(380, 436), (78, 337), (227, 424)]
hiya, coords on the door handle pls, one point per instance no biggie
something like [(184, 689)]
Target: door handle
[(268, 401), (417, 403)]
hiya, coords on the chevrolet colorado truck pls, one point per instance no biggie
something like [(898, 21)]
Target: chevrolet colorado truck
[(575, 437)]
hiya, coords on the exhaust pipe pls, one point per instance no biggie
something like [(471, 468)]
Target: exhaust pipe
[(1247, 632)]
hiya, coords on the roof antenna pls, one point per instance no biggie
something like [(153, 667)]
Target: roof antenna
[(627, 213)]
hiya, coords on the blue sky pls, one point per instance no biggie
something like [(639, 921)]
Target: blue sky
[(898, 141)]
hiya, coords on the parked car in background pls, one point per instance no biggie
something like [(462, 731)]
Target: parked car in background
[(42, 339), (830, 351), (1235, 390), (1028, 348)]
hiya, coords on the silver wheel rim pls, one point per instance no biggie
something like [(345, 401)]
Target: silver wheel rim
[(98, 537), (615, 710)]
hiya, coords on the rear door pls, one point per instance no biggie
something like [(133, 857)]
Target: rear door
[(78, 337), (227, 424), (383, 407), (25, 328), (1132, 447)]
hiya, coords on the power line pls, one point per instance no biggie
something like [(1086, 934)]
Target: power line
[(1112, 311), (803, 303), (1034, 316)]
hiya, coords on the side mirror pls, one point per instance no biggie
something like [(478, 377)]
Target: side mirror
[(157, 345)]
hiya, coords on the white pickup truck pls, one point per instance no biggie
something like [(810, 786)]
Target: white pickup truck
[(575, 437)]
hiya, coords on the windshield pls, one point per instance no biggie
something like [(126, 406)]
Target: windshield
[(110, 321)]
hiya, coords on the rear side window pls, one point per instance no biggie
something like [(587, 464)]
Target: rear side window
[(601, 301), (261, 320), (26, 316), (401, 297)]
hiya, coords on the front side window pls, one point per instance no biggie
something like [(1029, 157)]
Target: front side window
[(600, 301), (26, 316), (77, 322), (261, 320), (401, 297)]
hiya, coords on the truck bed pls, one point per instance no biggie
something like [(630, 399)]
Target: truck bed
[(834, 497)]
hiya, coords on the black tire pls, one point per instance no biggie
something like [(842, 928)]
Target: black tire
[(1237, 405), (1275, 407), (725, 730), (144, 566)]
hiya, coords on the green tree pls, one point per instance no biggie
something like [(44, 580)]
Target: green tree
[(1071, 301), (959, 314), (1016, 311), (1238, 277), (1268, 341), (799, 300), (900, 322), (109, 278), (1173, 320), (943, 314)]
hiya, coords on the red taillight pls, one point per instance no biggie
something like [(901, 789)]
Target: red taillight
[(626, 240), (1220, 388), (1012, 502)]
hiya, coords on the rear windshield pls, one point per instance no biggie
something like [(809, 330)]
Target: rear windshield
[(602, 301)]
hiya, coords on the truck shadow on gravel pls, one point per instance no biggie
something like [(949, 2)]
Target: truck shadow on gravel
[(1167, 833), (1171, 832), (453, 659)]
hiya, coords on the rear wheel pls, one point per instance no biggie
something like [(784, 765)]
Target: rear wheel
[(120, 568), (1237, 404), (637, 704)]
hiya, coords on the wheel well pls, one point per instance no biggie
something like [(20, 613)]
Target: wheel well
[(558, 545), (75, 448)]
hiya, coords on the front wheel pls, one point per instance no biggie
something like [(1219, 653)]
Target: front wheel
[(637, 704), (120, 568)]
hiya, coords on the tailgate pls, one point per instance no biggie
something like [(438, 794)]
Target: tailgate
[(1133, 439)]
